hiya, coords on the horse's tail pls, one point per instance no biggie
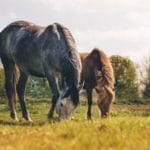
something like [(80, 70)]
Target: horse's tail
[(15, 81)]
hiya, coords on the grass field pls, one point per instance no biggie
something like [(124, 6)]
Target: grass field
[(128, 128)]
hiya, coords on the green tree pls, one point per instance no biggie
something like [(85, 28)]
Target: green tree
[(126, 84), (38, 87), (146, 77)]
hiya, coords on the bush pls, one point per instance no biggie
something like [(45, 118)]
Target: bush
[(126, 84), (38, 87)]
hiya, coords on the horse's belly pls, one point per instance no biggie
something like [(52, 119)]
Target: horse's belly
[(37, 73)]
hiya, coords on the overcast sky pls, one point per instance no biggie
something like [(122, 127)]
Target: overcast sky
[(117, 26)]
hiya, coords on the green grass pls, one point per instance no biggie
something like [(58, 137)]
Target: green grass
[(128, 127)]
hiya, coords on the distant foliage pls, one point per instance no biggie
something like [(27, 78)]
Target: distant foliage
[(2, 82), (126, 84), (38, 87), (146, 78)]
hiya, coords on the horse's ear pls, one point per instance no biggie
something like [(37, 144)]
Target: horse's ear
[(49, 28), (51, 31)]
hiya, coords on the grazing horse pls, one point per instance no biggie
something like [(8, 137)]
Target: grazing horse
[(39, 51), (97, 73)]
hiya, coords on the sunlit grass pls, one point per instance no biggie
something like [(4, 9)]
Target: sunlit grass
[(128, 127)]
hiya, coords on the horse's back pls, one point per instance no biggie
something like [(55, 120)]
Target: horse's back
[(22, 24), (16, 31), (20, 28)]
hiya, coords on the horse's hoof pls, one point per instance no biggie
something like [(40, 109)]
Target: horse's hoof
[(27, 118), (104, 116), (89, 118), (14, 116), (50, 116), (15, 119), (51, 120)]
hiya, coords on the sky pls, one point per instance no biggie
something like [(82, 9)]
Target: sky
[(119, 27)]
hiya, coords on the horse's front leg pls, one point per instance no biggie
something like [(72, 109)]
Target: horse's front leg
[(53, 85), (89, 98)]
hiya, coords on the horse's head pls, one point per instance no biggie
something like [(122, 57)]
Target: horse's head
[(67, 103), (65, 107)]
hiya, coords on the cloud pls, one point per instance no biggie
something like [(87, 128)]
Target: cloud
[(115, 39), (128, 42), (97, 6), (119, 27)]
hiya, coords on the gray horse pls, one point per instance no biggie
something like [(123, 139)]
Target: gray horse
[(39, 51)]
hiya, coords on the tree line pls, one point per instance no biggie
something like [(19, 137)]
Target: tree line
[(128, 86)]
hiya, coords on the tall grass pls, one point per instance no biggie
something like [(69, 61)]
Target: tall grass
[(128, 127)]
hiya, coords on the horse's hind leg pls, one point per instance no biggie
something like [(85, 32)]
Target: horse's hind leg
[(20, 90), (10, 91), (89, 98)]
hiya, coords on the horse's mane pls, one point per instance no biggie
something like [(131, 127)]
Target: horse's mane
[(107, 73), (71, 46), (67, 36), (72, 63)]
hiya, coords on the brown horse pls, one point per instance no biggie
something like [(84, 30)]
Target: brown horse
[(97, 73)]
